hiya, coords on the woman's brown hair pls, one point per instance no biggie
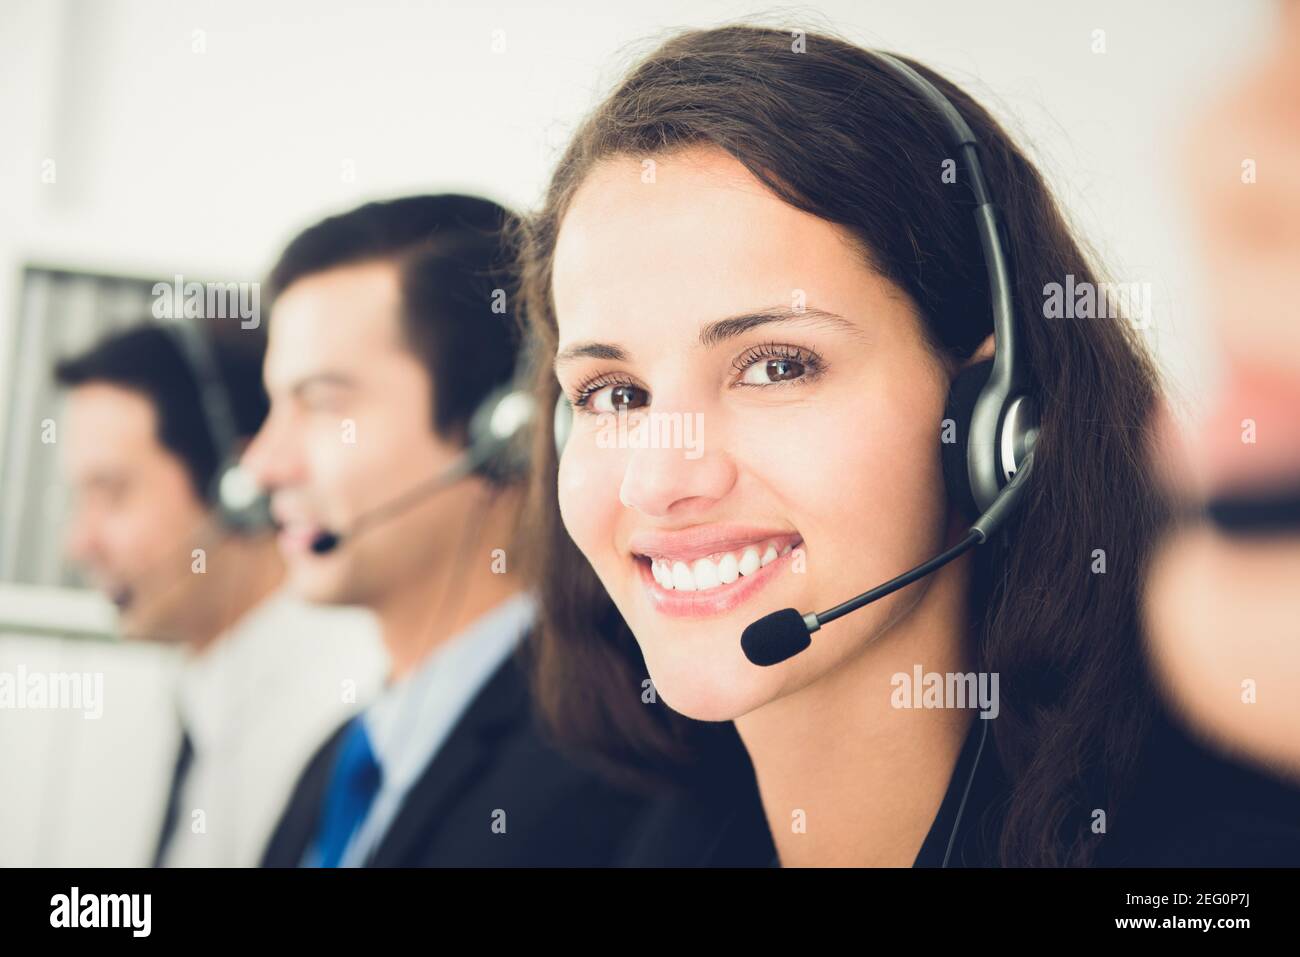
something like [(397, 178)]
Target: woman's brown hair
[(833, 133)]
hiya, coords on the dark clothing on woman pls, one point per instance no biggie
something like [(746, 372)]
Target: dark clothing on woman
[(1187, 807), (715, 819)]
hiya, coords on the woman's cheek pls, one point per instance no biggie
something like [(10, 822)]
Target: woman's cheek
[(823, 462), (588, 487), (870, 498)]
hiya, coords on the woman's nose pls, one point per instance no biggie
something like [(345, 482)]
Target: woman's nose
[(671, 469)]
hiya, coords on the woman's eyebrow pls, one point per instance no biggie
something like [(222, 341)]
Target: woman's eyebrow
[(720, 330), (590, 350)]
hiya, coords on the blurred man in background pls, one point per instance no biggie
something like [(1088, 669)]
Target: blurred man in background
[(262, 677), (390, 326)]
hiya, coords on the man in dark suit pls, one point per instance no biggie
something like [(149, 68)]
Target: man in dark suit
[(557, 815), (390, 326)]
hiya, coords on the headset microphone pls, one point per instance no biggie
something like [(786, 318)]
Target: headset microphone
[(494, 430), (783, 634), (995, 417), (326, 541)]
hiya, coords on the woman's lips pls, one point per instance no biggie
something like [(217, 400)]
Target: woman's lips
[(718, 599), (699, 541)]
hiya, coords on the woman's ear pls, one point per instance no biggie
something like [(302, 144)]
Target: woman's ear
[(985, 351)]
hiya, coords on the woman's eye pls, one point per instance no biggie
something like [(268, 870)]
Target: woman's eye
[(768, 371), (767, 365), (616, 397)]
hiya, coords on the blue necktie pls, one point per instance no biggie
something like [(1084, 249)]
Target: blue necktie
[(352, 790)]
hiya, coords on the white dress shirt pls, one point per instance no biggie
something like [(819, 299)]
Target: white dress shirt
[(411, 718), (257, 703)]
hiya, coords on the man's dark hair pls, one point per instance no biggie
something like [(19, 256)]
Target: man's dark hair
[(455, 259), (147, 359)]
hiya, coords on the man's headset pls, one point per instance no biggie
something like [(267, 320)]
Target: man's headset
[(994, 418), (236, 504), (237, 501), (496, 451)]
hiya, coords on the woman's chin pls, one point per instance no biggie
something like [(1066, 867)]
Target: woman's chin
[(709, 684)]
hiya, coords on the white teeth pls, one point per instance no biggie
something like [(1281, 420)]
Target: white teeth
[(705, 573), (657, 569), (663, 573)]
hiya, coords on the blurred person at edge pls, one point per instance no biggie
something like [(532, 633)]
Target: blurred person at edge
[(262, 677), (390, 325), (1224, 607)]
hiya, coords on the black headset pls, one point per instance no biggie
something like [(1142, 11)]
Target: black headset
[(494, 449), (235, 498), (498, 425), (495, 452), (995, 418), (237, 504)]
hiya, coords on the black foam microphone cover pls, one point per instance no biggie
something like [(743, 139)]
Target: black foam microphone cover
[(775, 637), (1248, 512), (324, 543), (960, 409)]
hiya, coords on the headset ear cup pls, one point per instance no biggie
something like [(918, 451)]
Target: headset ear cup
[(958, 412)]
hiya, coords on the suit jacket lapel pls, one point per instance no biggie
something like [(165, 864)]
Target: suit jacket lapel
[(301, 818), (461, 758)]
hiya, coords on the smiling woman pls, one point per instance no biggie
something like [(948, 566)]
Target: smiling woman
[(763, 236)]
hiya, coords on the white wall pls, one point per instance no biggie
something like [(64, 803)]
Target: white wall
[(169, 160), (83, 786), (84, 780)]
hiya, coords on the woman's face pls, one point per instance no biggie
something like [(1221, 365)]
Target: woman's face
[(779, 445)]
